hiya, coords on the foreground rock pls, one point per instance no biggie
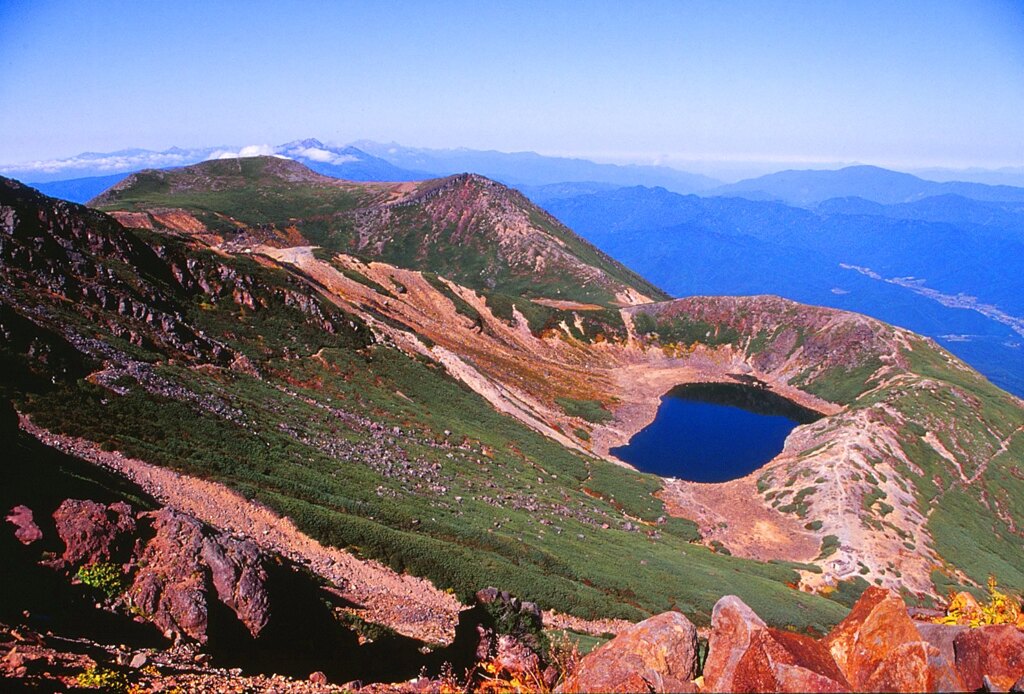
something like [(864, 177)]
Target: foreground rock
[(744, 654), (93, 532), (995, 652), (879, 648), (167, 562), (658, 654)]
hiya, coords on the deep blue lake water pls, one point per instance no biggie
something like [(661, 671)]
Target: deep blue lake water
[(714, 432)]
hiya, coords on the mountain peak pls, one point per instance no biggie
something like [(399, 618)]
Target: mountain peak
[(307, 142)]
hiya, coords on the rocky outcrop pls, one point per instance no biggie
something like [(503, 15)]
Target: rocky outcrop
[(170, 585), (941, 636), (744, 654), (92, 532), (995, 652), (171, 564), (732, 627), (658, 654), (180, 564), (879, 648), (238, 574)]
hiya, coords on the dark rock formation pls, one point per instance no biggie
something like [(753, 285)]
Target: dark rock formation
[(170, 585), (93, 532), (240, 579), (174, 561)]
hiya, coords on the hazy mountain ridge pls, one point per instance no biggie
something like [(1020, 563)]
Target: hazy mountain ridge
[(810, 187)]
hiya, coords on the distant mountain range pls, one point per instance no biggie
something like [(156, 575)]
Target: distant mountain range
[(532, 169), (808, 188), (347, 163), (82, 177), (543, 178)]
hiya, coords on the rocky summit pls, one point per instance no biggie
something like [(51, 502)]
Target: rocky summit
[(281, 430)]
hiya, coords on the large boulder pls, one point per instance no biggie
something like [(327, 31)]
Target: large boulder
[(93, 532), (746, 655), (240, 578), (733, 625), (941, 636), (915, 666), (170, 585), (658, 654), (995, 651), (878, 648)]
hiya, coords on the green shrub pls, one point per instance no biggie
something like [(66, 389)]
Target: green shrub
[(590, 410), (829, 546), (103, 679), (103, 576)]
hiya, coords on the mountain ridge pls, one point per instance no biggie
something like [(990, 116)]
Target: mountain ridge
[(420, 225), (809, 187)]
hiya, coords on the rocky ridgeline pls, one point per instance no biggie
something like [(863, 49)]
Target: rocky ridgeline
[(876, 648)]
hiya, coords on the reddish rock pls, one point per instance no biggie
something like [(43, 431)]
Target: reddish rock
[(876, 625), (996, 651), (781, 661), (732, 627), (917, 666), (941, 636), (170, 585), (745, 655), (93, 532), (239, 578), (658, 654), (515, 657), (878, 648), (26, 530)]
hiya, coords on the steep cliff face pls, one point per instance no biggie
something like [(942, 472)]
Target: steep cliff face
[(359, 392)]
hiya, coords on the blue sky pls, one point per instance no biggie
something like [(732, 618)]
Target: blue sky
[(904, 84)]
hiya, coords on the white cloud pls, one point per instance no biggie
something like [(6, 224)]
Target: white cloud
[(319, 154), (108, 163), (244, 152)]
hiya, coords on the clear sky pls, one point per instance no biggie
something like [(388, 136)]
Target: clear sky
[(903, 84)]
